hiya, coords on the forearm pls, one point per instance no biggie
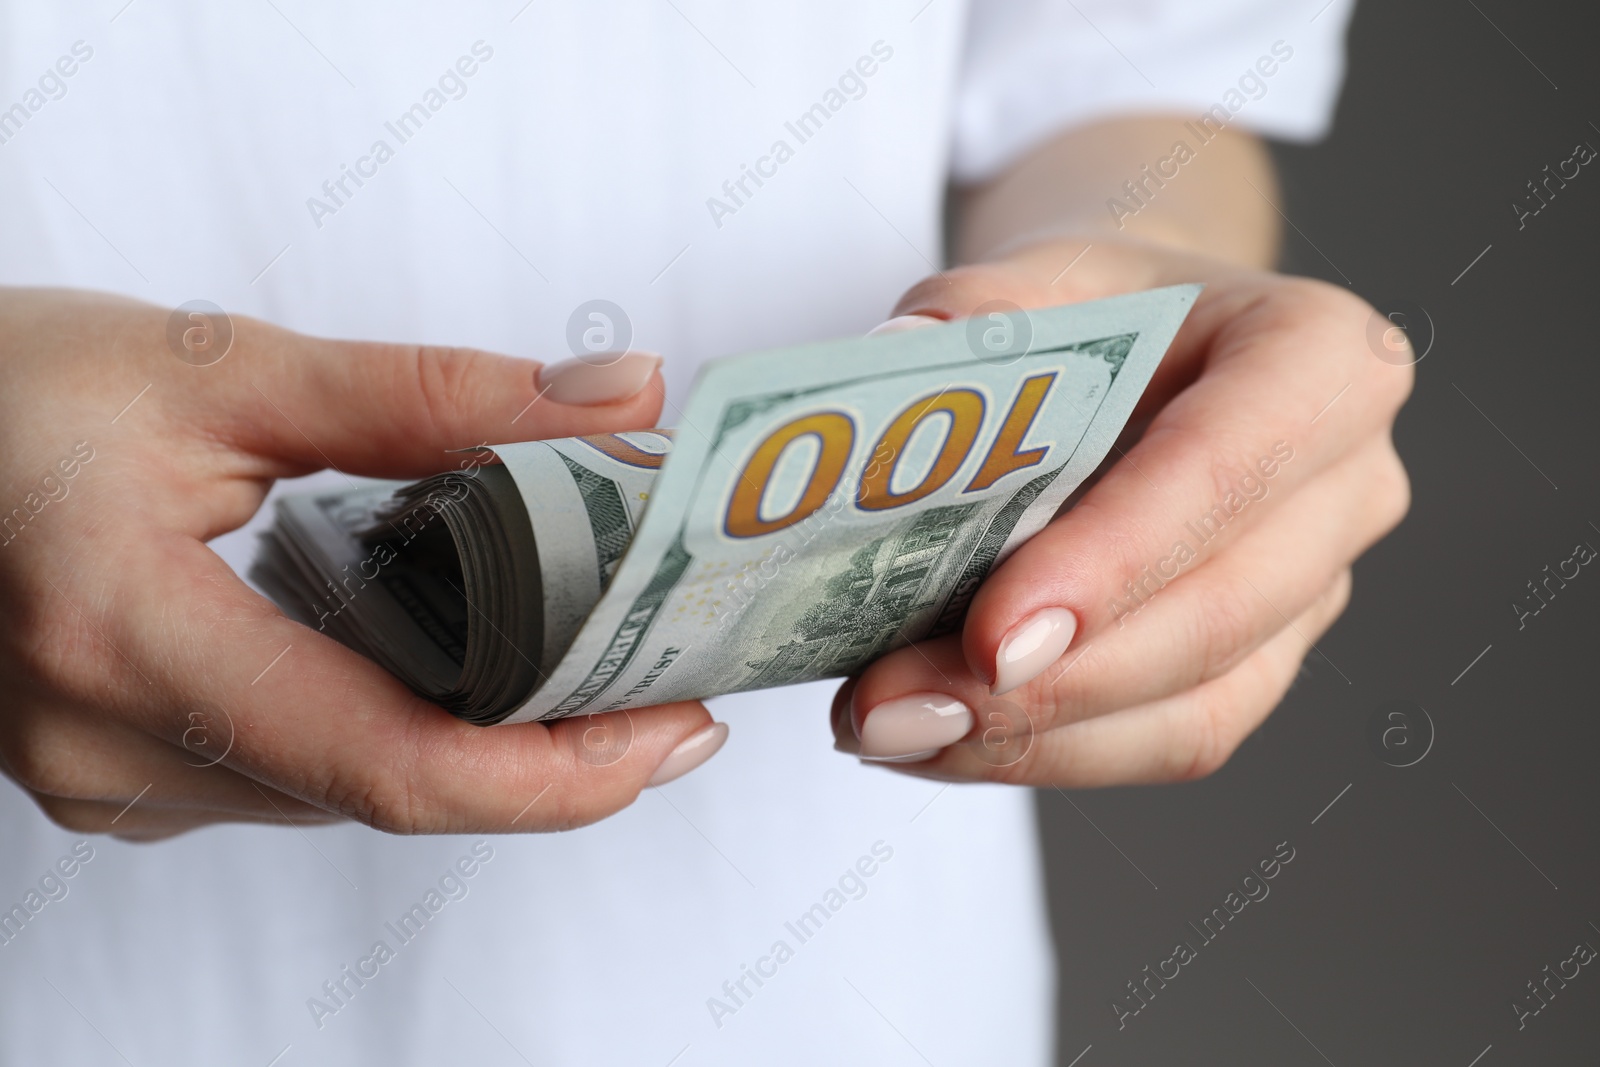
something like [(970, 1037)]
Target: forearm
[(1128, 177)]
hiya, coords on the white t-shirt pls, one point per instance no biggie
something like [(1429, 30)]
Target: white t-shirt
[(534, 157)]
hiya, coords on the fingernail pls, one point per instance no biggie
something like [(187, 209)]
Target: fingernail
[(901, 323), (913, 726), (1032, 645), (690, 753), (603, 378)]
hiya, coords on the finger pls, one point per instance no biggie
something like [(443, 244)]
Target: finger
[(1193, 628), (839, 719), (1052, 271), (1215, 462), (1182, 737), (957, 293), (393, 410), (1043, 277), (1203, 623), (70, 755), (139, 823), (913, 701), (322, 723)]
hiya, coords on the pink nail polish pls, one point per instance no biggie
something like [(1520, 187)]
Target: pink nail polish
[(914, 725), (691, 752), (1032, 645), (902, 323), (602, 378)]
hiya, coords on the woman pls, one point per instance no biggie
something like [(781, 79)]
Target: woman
[(732, 179)]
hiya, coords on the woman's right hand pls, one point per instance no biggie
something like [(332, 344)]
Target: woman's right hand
[(149, 691)]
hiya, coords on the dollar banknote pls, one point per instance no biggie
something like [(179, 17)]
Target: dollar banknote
[(813, 509)]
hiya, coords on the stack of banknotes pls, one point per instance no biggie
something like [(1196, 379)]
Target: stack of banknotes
[(814, 508)]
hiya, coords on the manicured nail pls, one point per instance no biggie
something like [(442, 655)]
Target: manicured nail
[(1032, 645), (690, 753), (901, 323), (917, 725), (603, 378)]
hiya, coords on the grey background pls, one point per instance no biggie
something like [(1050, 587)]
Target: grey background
[(1418, 905)]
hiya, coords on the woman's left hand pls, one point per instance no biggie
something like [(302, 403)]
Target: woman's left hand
[(1145, 632)]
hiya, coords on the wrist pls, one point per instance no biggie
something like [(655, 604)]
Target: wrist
[(1222, 209)]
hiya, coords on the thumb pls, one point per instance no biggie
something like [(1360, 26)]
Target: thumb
[(392, 410), (1049, 273), (961, 292)]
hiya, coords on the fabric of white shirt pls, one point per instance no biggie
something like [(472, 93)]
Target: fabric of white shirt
[(595, 151)]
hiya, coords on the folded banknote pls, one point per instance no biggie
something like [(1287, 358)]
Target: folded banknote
[(814, 508)]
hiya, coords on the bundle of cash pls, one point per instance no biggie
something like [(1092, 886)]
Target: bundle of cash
[(815, 508)]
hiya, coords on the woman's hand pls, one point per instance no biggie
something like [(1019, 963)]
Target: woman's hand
[(1149, 629), (149, 691)]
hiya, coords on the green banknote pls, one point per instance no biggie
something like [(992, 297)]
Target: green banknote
[(813, 509)]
